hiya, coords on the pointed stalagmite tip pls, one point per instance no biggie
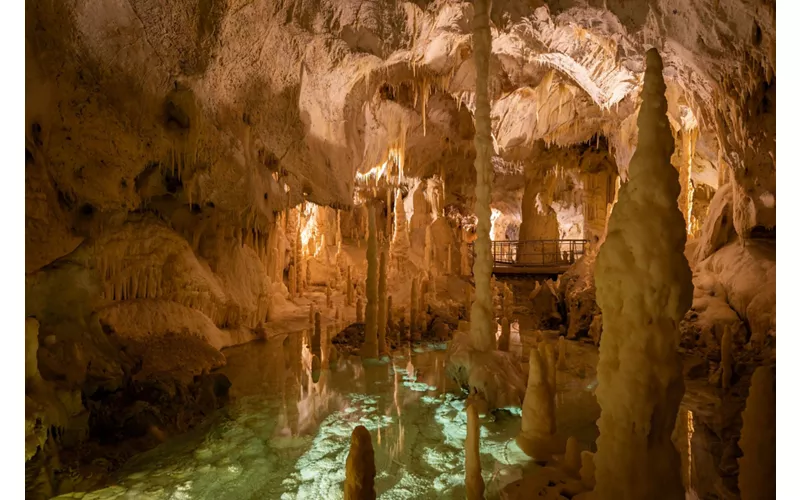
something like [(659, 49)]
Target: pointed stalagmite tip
[(654, 59)]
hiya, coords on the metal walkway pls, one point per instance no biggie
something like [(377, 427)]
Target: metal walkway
[(545, 257)]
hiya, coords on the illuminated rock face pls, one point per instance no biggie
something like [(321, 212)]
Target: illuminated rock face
[(359, 482), (644, 288)]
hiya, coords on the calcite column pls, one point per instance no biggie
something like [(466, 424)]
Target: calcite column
[(359, 478), (474, 480), (382, 305), (481, 332), (370, 347), (644, 288)]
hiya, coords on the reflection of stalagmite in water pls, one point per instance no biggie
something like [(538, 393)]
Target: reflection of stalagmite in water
[(757, 464), (382, 304), (474, 480), (315, 339)]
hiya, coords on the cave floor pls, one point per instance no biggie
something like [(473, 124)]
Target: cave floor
[(283, 435)]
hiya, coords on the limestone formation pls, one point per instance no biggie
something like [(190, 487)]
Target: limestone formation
[(474, 480), (505, 335), (382, 305), (350, 285), (449, 267), (465, 270), (757, 466), (311, 314), (292, 282), (359, 311), (587, 471), (359, 482), (562, 353), (572, 457), (644, 288), (537, 436), (481, 333), (328, 298), (400, 243), (370, 347)]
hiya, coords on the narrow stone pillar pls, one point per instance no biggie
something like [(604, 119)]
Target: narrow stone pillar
[(359, 476), (382, 304), (474, 480), (536, 438), (370, 347)]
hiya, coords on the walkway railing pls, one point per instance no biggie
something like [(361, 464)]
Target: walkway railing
[(536, 253)]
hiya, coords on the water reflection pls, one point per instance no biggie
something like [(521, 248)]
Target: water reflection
[(286, 432)]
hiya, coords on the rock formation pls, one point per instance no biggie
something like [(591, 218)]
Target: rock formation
[(359, 482), (370, 347), (644, 287), (537, 436), (474, 480), (382, 305), (505, 335)]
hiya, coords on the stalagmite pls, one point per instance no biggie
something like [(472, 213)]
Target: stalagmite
[(572, 457), (370, 347), (414, 314), (537, 436), (505, 335), (382, 304), (587, 469), (644, 288), (359, 481), (328, 298), (757, 466), (474, 480), (316, 341), (562, 353), (359, 311), (292, 282), (727, 358)]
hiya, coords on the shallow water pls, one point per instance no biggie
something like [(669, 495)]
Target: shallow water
[(285, 436)]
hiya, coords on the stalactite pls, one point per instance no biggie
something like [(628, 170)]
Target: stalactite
[(474, 480), (644, 288), (370, 347), (316, 341), (382, 304)]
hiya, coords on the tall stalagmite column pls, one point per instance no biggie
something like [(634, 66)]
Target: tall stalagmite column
[(481, 331), (644, 288), (382, 304), (370, 347), (359, 479), (474, 480)]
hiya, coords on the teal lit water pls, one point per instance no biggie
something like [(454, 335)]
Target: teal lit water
[(286, 436)]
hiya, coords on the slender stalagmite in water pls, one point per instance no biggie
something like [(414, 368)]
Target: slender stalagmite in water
[(481, 332), (370, 347), (474, 479), (359, 476), (644, 288), (382, 304)]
